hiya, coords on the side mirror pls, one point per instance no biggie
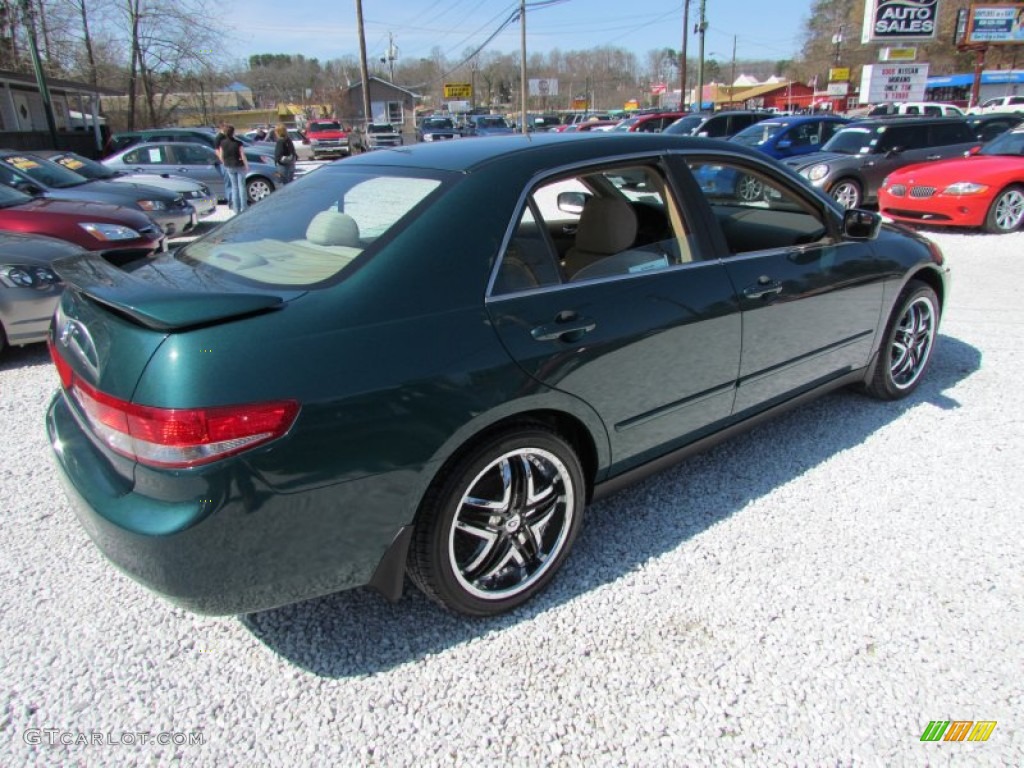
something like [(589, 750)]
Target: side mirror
[(861, 225), (571, 202), (972, 151), (894, 152), (28, 188)]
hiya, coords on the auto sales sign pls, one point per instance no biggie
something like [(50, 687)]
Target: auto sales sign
[(887, 21)]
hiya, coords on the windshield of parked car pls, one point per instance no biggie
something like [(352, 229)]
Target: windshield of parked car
[(314, 234), (851, 141), (83, 166), (9, 197), (685, 126), (1011, 143), (440, 123), (43, 171), (490, 121), (626, 124), (758, 133), (333, 125)]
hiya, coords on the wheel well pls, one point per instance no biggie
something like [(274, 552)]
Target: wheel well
[(566, 426), (930, 278)]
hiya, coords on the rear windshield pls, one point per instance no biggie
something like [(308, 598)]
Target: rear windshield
[(438, 122), (851, 141), (315, 232), (490, 122)]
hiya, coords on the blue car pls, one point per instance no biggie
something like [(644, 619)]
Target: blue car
[(789, 136)]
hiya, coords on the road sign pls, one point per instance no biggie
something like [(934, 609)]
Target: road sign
[(458, 91)]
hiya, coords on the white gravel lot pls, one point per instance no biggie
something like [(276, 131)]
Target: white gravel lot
[(811, 593)]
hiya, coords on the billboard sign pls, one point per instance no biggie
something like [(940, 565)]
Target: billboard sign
[(999, 24), (885, 83), (544, 86), (888, 21)]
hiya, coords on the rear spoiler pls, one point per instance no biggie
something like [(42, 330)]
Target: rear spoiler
[(163, 294)]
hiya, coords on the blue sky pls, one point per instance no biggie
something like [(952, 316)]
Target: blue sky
[(328, 30)]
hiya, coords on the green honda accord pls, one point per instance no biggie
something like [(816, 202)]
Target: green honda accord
[(428, 360)]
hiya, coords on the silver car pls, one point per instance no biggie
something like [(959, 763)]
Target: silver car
[(199, 163), (198, 195)]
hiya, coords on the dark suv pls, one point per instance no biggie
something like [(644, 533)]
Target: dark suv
[(852, 165), (719, 125)]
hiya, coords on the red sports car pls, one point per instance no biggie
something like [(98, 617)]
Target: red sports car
[(93, 226), (985, 189)]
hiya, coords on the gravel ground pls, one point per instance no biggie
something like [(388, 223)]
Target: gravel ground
[(812, 593)]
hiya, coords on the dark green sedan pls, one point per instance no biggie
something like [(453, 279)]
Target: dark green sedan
[(428, 360)]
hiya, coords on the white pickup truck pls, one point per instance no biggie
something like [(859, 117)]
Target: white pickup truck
[(999, 104)]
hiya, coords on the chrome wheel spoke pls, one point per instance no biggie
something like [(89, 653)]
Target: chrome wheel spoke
[(512, 521), (911, 344)]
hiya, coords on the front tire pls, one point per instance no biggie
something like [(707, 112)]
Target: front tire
[(847, 193), (497, 525), (907, 347), (1006, 212)]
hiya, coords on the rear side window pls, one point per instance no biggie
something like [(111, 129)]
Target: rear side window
[(597, 224), (942, 134), (903, 137)]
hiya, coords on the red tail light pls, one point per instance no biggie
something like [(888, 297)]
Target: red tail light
[(176, 437)]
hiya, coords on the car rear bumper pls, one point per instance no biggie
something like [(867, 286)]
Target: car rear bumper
[(230, 545)]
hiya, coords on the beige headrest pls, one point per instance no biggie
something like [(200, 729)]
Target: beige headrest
[(333, 228), (607, 225)]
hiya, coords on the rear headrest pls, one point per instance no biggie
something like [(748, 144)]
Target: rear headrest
[(607, 225), (333, 228)]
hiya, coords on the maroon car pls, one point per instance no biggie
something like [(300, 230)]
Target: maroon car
[(93, 226)]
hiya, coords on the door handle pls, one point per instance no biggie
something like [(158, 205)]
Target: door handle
[(568, 326), (933, 157), (765, 287)]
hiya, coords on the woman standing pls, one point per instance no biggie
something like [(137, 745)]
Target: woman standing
[(284, 154), (236, 166)]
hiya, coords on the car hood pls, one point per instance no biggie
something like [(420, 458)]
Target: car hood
[(973, 168), (85, 210), (115, 193), (161, 181), (165, 294), (34, 249), (805, 161)]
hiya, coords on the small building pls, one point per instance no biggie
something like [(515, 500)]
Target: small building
[(389, 103), (75, 113)]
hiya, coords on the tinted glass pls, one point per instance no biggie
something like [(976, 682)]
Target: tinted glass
[(942, 134), (1006, 144), (851, 141), (8, 196), (758, 134), (46, 173), (684, 125), (83, 166)]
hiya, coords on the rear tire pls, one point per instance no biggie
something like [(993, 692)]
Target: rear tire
[(498, 523), (258, 188), (1006, 212), (908, 343)]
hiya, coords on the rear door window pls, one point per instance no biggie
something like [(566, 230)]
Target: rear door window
[(942, 134)]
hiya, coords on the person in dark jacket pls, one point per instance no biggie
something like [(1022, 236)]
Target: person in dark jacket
[(232, 155), (223, 171), (284, 154)]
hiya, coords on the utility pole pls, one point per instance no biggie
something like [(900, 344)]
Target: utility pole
[(682, 55), (37, 65), (522, 65), (732, 81), (391, 56), (837, 41), (363, 71), (702, 26)]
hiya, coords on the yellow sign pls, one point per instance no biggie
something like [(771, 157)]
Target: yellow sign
[(630, 105), (579, 104), (458, 91), (839, 75), (898, 54)]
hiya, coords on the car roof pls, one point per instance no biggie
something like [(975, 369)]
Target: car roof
[(874, 122), (543, 150)]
